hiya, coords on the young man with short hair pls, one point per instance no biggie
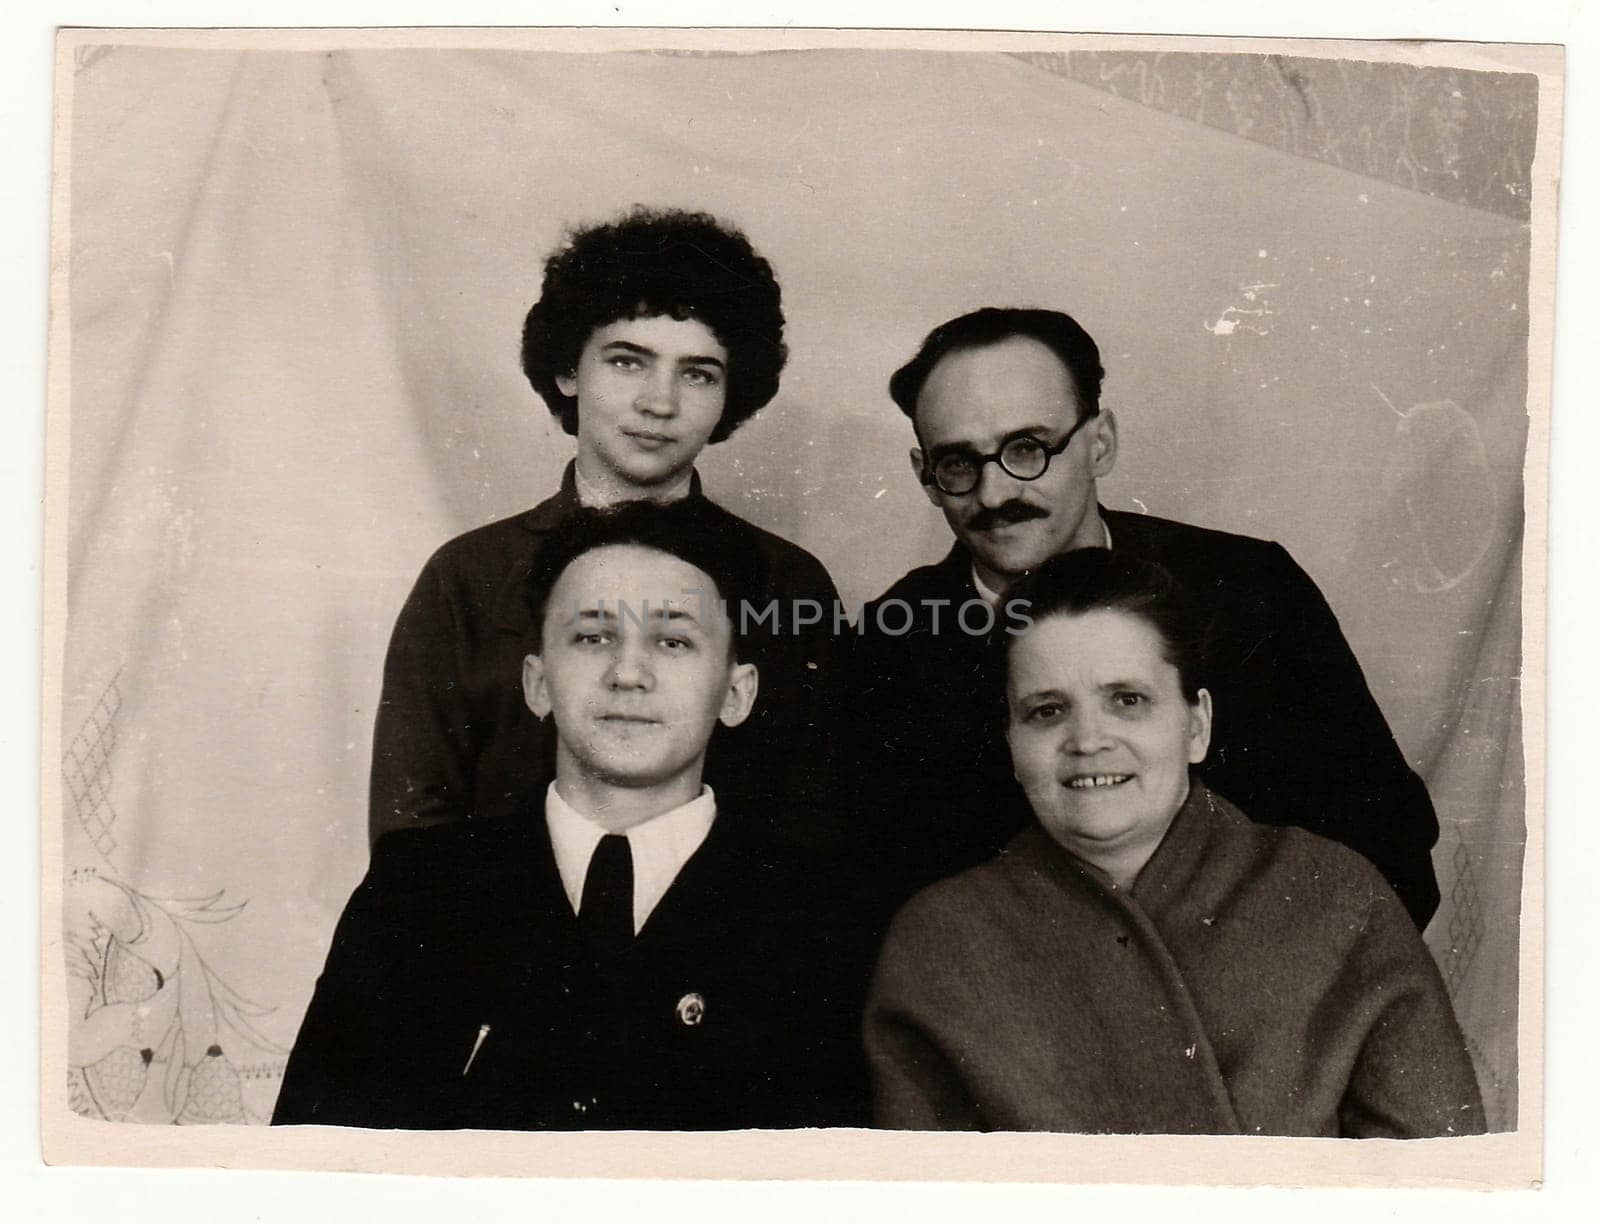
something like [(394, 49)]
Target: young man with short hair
[(643, 956)]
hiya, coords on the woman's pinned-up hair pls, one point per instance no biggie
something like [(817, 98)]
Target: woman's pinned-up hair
[(667, 262), (1099, 579)]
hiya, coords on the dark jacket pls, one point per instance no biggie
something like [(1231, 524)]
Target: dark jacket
[(736, 1006), (1252, 981), (454, 737), (1297, 739)]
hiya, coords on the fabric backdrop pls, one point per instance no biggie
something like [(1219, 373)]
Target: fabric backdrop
[(297, 286)]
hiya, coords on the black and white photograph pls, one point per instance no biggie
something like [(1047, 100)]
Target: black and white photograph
[(798, 603)]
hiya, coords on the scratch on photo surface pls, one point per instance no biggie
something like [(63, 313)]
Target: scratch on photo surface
[(1260, 641), (1366, 916), (1248, 317)]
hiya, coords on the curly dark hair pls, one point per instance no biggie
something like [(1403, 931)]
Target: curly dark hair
[(685, 265)]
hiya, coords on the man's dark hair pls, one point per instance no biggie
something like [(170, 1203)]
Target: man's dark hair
[(683, 265), (1058, 332), (692, 530), (1093, 579)]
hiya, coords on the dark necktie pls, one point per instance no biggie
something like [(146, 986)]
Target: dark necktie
[(606, 911)]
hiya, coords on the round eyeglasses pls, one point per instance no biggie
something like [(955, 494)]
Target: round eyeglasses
[(1021, 456)]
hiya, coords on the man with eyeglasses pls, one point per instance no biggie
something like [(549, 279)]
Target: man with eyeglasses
[(1011, 440)]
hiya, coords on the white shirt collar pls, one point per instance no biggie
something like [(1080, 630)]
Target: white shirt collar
[(660, 846), (990, 597), (993, 598), (590, 495)]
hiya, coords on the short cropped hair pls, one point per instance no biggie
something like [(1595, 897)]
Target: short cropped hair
[(650, 262), (1058, 332), (1099, 579), (692, 530)]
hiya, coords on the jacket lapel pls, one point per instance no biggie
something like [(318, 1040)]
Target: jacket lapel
[(702, 902), (527, 928)]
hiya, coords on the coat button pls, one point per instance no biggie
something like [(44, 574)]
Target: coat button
[(691, 1009)]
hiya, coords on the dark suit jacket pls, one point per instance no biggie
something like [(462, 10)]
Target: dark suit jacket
[(465, 925), (454, 737), (1297, 740)]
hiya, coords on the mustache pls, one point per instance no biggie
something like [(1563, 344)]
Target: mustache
[(1005, 514)]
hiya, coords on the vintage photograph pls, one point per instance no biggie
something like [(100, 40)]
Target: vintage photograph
[(903, 589)]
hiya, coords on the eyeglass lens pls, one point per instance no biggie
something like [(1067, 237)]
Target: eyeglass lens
[(1025, 458)]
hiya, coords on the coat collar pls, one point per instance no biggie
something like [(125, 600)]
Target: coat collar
[(1182, 852), (1165, 877)]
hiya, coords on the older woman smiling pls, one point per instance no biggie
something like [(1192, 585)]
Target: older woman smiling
[(1145, 959)]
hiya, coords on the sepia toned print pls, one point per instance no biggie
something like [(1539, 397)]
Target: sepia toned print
[(293, 275)]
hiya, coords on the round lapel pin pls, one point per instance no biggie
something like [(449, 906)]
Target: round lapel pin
[(691, 1009)]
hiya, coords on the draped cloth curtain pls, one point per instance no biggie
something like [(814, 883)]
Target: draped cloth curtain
[(297, 283)]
